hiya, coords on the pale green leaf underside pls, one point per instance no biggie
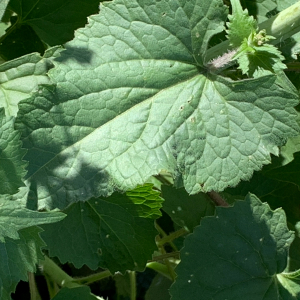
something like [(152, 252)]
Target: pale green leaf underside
[(235, 255), (132, 99), (116, 233), (20, 78)]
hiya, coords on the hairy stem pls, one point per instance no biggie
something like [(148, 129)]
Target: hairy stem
[(217, 199)]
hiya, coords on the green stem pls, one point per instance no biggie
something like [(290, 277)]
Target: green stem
[(53, 288), (92, 278), (172, 236), (132, 278), (174, 255), (160, 268), (162, 232), (34, 293), (281, 26), (57, 275)]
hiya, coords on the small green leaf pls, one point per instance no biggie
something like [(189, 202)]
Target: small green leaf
[(116, 233), (240, 25), (260, 60), (17, 258), (235, 255), (18, 217)]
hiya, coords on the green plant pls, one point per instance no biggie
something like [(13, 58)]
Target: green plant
[(175, 106)]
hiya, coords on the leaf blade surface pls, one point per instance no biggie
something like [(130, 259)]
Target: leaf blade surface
[(132, 98)]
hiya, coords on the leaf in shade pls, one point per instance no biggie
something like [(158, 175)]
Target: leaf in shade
[(238, 254), (186, 210), (116, 233), (17, 258)]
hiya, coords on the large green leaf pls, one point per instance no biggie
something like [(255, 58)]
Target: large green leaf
[(17, 258), (19, 78), (54, 21), (236, 255), (12, 167), (116, 233), (132, 98)]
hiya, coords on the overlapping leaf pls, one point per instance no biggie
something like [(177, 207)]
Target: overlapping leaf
[(132, 98), (236, 255), (186, 210), (20, 78), (17, 258), (18, 217), (116, 233)]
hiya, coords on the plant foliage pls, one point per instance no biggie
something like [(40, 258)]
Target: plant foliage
[(123, 130)]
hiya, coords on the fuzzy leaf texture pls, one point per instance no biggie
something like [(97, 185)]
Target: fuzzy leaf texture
[(116, 233), (260, 60), (12, 167), (240, 24), (238, 254), (131, 98), (20, 78)]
